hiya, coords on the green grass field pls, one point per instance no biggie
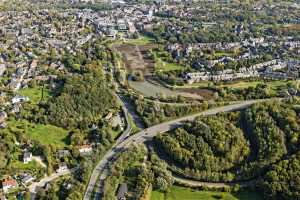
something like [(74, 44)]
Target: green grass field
[(222, 54), (18, 165), (239, 84), (35, 94), (164, 66), (182, 193), (48, 134), (134, 128), (142, 40), (245, 84), (45, 134), (155, 195)]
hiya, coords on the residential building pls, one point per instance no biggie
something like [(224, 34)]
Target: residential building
[(122, 191), (2, 69), (3, 116), (85, 149), (19, 99), (27, 157), (8, 184), (61, 167), (27, 178)]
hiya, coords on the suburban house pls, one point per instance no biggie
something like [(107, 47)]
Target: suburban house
[(18, 99), (62, 167), (3, 116), (108, 116), (85, 149), (27, 157), (62, 153), (2, 69), (122, 191), (117, 121), (27, 178), (8, 184)]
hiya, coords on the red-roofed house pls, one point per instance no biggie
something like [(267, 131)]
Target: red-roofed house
[(8, 184), (87, 148)]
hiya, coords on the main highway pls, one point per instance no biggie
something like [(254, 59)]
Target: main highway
[(147, 134)]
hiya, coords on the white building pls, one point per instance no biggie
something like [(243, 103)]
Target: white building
[(27, 157), (18, 99), (62, 167), (84, 149)]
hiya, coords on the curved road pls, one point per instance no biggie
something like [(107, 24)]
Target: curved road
[(148, 134), (100, 166)]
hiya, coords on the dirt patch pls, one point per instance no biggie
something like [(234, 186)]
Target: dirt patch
[(136, 57), (292, 27)]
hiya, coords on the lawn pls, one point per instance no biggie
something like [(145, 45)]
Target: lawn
[(164, 66), (202, 84), (182, 193), (155, 195), (134, 128), (115, 133), (240, 84), (35, 94), (45, 134), (18, 165), (222, 54), (245, 84), (48, 134)]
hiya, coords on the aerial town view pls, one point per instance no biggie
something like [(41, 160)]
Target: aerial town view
[(150, 100)]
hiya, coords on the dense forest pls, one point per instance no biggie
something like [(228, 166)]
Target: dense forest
[(82, 101), (77, 101), (209, 146), (260, 143), (283, 179)]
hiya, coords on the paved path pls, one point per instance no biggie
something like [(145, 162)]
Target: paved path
[(193, 183), (39, 160), (45, 180), (149, 133), (32, 188)]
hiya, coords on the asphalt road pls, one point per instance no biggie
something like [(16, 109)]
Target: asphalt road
[(148, 134), (100, 166)]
